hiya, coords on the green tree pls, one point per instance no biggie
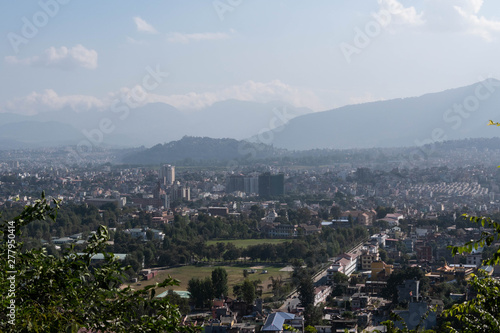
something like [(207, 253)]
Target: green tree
[(310, 329), (481, 314), (219, 282), (248, 291), (306, 291), (277, 285), (66, 294), (201, 291)]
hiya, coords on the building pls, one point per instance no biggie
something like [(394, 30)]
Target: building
[(241, 183), (475, 257), (235, 183), (418, 313), (270, 217), (381, 270), (218, 211), (408, 291), (450, 272), (271, 185), (275, 321), (424, 253), (99, 202), (321, 293), (167, 174), (366, 260), (141, 233), (345, 264), (280, 230), (180, 192)]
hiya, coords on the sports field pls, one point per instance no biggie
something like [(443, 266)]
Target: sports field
[(235, 276)]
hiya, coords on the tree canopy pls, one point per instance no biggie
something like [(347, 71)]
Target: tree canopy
[(44, 293)]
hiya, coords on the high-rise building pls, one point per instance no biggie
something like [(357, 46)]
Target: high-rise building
[(271, 185), (167, 174), (247, 184), (235, 183), (180, 192)]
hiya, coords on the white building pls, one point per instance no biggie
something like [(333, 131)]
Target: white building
[(167, 174), (345, 264)]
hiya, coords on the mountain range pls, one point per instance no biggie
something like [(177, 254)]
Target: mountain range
[(457, 113), (448, 115), (147, 125)]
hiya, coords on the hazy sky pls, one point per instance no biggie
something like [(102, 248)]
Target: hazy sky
[(318, 54)]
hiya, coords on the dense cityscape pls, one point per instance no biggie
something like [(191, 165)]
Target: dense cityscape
[(231, 166), (329, 247)]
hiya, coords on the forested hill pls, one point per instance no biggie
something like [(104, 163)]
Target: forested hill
[(208, 151), (203, 149)]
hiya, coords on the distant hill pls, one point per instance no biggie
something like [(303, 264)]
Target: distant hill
[(202, 149), (156, 122), (452, 114), (38, 134)]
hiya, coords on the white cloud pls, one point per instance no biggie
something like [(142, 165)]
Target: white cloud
[(475, 24), (248, 91), (275, 90), (62, 58), (177, 37), (49, 100), (455, 16), (143, 26), (393, 12)]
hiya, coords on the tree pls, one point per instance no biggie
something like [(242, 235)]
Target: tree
[(201, 291), (310, 329), (313, 315), (248, 291), (335, 212), (47, 294), (277, 285), (232, 252), (219, 282), (306, 291), (481, 314), (338, 278)]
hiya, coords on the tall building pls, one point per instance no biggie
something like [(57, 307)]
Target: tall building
[(247, 184), (180, 192), (271, 185), (167, 174), (235, 183)]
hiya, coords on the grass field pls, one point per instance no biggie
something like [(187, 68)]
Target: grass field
[(243, 243), (235, 276)]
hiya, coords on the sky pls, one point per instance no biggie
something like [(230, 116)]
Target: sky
[(322, 54)]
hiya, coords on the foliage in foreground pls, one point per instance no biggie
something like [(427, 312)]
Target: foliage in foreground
[(481, 314), (42, 293)]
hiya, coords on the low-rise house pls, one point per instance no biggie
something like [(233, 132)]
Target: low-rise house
[(275, 321)]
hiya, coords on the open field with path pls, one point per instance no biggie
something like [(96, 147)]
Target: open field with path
[(235, 276)]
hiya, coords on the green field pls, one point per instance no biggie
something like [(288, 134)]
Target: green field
[(243, 243), (235, 276)]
